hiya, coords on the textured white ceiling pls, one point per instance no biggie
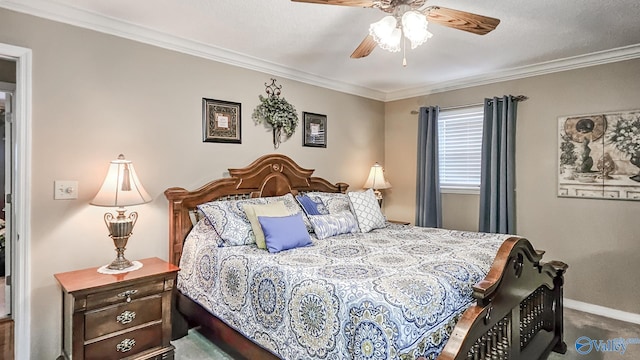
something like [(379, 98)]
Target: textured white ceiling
[(313, 42)]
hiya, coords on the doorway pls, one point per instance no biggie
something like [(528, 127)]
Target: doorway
[(17, 205), (7, 91)]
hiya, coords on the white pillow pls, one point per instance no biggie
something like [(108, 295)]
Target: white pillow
[(367, 210)]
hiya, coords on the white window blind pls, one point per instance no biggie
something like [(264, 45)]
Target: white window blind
[(459, 146)]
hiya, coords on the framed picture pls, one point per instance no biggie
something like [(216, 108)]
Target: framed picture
[(315, 130), (599, 155), (221, 121)]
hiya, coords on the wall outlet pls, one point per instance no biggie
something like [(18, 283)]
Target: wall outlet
[(65, 190)]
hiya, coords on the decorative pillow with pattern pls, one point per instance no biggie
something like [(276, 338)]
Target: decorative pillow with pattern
[(206, 232), (335, 203), (309, 206), (367, 210), (334, 224), (293, 207), (230, 221)]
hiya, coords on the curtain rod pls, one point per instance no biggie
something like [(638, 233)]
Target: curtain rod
[(516, 98)]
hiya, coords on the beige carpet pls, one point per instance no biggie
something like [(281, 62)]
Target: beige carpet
[(195, 346), (577, 324)]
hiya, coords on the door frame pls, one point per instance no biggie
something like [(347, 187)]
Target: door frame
[(21, 200), (9, 90)]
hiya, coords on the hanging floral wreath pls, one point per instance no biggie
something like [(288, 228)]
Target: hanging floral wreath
[(277, 112)]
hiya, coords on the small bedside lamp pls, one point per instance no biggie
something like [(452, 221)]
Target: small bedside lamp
[(377, 182), (121, 188)]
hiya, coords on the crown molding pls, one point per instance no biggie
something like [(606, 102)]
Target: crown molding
[(89, 20), (548, 67)]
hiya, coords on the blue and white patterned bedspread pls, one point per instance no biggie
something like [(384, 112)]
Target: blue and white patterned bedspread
[(393, 293)]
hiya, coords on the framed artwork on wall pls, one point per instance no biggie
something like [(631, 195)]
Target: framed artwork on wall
[(315, 130), (599, 155), (221, 121)]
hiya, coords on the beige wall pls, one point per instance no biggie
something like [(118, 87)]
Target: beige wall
[(95, 96), (599, 239)]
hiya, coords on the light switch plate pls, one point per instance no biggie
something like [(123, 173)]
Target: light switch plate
[(65, 190)]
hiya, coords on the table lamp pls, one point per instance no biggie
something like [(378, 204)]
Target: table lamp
[(121, 188), (377, 182)]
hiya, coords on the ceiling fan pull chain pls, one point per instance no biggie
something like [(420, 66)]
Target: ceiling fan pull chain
[(404, 52)]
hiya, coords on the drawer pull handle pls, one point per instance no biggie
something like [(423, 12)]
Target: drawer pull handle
[(128, 294), (126, 345), (126, 317)]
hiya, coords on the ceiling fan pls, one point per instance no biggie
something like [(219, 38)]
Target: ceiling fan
[(410, 18)]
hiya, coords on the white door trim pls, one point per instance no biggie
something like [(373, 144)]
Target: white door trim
[(21, 199)]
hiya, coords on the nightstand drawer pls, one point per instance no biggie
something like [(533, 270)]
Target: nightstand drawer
[(119, 317), (121, 295), (126, 344), (96, 316)]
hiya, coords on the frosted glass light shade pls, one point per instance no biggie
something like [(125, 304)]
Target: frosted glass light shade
[(414, 25), (386, 33)]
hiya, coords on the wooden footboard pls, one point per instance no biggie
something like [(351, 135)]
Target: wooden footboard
[(518, 313)]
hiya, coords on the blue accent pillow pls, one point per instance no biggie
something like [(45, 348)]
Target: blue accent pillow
[(332, 203), (284, 232), (309, 206)]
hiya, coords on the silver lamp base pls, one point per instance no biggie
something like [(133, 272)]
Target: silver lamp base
[(120, 261), (378, 195), (120, 229)]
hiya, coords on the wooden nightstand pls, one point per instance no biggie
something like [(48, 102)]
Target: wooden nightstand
[(399, 222), (117, 316)]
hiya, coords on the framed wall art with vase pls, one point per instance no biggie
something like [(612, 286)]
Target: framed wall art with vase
[(221, 121), (599, 155), (315, 130)]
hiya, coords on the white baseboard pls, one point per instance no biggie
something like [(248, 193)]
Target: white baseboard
[(602, 311)]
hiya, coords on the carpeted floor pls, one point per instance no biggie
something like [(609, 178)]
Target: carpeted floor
[(577, 326), (196, 346)]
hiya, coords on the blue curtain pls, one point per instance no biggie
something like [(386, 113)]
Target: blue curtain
[(497, 177), (428, 202)]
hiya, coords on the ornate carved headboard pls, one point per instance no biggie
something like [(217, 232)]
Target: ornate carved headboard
[(270, 175)]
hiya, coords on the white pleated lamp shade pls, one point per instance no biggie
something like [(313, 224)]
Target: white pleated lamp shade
[(121, 186), (376, 178)]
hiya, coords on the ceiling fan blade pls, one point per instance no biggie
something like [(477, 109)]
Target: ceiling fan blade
[(360, 3), (365, 48), (461, 20)]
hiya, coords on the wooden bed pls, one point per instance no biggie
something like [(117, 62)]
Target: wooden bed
[(518, 312)]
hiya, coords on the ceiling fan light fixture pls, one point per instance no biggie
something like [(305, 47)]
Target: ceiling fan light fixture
[(414, 26), (386, 33)]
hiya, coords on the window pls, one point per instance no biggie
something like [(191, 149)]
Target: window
[(460, 144)]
